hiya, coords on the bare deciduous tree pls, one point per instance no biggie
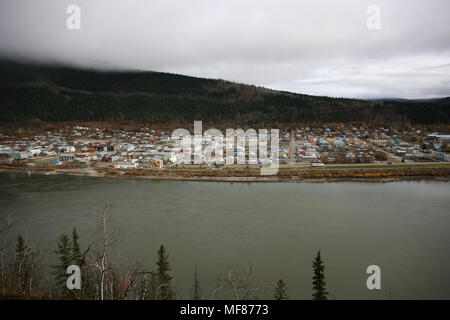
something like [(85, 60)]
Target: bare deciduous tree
[(136, 282), (100, 258), (238, 283)]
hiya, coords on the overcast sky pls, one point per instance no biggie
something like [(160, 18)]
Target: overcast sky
[(308, 46)]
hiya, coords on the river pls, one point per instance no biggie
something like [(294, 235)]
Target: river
[(403, 227)]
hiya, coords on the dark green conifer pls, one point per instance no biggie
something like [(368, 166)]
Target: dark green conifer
[(164, 291), (64, 255), (280, 291), (319, 284)]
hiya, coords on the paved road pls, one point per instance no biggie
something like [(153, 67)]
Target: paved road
[(383, 164), (307, 164)]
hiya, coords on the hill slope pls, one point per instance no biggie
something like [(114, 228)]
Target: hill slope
[(58, 93)]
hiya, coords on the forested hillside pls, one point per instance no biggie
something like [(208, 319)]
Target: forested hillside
[(58, 93)]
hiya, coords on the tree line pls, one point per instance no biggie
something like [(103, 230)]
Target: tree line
[(22, 276)]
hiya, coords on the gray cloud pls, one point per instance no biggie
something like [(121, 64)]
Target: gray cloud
[(312, 46)]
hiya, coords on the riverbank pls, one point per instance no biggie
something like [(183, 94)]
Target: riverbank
[(439, 171)]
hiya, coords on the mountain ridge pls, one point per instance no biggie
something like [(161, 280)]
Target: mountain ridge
[(58, 93)]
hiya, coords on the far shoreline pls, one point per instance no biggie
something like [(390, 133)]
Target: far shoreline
[(247, 176)]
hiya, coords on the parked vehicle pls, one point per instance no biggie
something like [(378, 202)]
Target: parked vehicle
[(317, 165)]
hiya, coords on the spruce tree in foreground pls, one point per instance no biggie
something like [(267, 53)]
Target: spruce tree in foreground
[(69, 253), (164, 290), (64, 253), (21, 254), (22, 269), (280, 291), (77, 257), (319, 289)]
